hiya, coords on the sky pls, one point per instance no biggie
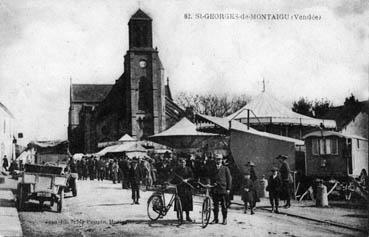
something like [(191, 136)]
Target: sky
[(45, 43)]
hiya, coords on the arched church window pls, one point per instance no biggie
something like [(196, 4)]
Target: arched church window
[(144, 94)]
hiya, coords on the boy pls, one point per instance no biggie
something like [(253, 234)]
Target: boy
[(274, 186), (248, 193)]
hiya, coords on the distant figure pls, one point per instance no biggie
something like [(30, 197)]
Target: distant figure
[(248, 193), (286, 180), (115, 170), (5, 163), (274, 186), (135, 180)]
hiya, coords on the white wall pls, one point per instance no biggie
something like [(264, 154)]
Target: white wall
[(359, 156), (6, 136)]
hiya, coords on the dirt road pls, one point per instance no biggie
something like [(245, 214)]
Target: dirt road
[(104, 209)]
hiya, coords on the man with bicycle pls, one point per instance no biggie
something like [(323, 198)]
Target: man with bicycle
[(223, 180)]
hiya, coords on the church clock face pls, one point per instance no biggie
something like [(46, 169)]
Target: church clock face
[(142, 64)]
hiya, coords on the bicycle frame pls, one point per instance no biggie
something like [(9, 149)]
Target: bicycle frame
[(171, 201)]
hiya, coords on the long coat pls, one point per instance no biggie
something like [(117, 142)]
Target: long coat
[(135, 177), (249, 195), (184, 190), (223, 179)]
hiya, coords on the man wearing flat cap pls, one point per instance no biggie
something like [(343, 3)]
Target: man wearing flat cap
[(135, 177), (274, 186), (286, 180), (223, 180)]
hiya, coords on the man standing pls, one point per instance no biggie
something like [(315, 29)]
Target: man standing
[(286, 180), (274, 185), (223, 180), (5, 163), (135, 179)]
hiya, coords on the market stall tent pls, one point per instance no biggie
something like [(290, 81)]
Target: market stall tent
[(182, 135)]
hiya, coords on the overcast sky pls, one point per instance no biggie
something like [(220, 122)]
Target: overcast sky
[(44, 43)]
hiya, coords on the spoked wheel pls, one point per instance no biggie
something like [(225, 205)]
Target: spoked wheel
[(178, 208), (61, 200), (154, 207), (206, 212)]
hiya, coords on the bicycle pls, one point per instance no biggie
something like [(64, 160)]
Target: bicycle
[(156, 205), (206, 205)]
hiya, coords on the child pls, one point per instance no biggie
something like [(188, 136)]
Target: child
[(248, 193), (274, 186)]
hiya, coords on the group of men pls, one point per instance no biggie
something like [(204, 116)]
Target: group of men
[(97, 169)]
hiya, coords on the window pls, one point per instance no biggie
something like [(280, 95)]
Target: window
[(315, 146), (326, 146)]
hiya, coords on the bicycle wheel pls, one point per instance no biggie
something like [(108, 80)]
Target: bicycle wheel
[(178, 208), (154, 207), (206, 212)]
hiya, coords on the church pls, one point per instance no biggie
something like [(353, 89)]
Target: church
[(139, 103)]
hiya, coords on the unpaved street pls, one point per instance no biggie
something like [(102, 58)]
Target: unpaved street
[(104, 209)]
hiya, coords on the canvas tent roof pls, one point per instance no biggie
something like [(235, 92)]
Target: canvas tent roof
[(267, 109), (181, 135), (124, 147), (126, 138), (235, 125)]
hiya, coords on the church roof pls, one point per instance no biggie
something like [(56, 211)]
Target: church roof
[(140, 15), (6, 110), (267, 109), (89, 92)]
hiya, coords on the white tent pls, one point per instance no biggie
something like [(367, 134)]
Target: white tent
[(266, 109)]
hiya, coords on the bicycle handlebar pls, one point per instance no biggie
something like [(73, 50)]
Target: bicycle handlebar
[(207, 186)]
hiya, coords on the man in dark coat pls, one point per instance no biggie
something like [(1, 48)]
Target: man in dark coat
[(5, 163), (135, 177), (274, 186), (223, 180), (248, 193), (182, 175), (286, 180), (124, 167)]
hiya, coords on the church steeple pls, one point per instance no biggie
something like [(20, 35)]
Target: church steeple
[(140, 31)]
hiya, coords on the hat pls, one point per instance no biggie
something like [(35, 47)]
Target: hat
[(274, 169), (283, 157), (218, 156), (250, 163)]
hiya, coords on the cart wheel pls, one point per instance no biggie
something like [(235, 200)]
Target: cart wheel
[(205, 212), (178, 205), (74, 189), (21, 197), (61, 200)]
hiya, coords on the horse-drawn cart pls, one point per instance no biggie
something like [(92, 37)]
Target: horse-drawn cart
[(41, 183)]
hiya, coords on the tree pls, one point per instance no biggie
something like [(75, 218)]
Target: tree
[(321, 107), (303, 106), (211, 104)]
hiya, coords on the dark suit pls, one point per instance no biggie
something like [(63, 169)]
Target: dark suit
[(135, 177), (223, 180), (274, 186), (248, 196), (286, 182)]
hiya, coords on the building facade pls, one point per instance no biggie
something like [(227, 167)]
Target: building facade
[(7, 139), (139, 103)]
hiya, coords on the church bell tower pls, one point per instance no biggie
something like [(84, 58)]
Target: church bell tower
[(146, 78)]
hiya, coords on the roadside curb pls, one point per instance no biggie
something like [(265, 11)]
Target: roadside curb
[(312, 219), (9, 218)]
